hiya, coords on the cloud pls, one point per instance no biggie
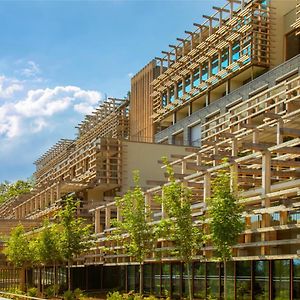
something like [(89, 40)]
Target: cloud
[(32, 69), (38, 109), (9, 86), (130, 75)]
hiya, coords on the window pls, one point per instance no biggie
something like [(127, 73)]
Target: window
[(179, 89), (195, 135), (281, 279), (187, 84), (243, 280), (204, 72), (235, 51), (176, 278), (199, 280), (261, 280), (225, 58), (215, 65), (213, 280), (164, 100), (196, 77), (296, 279), (172, 94), (292, 45)]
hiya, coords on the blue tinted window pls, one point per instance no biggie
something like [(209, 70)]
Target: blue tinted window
[(196, 77), (215, 65), (204, 72), (235, 51)]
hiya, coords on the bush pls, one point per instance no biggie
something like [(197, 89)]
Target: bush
[(114, 296), (32, 292), (78, 294), (68, 295), (51, 290)]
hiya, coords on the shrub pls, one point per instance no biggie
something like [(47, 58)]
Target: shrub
[(78, 294), (114, 296), (68, 295), (32, 292)]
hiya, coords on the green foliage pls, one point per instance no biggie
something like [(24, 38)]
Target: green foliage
[(128, 296), (32, 292), (114, 296), (68, 295), (10, 190), (135, 216), (78, 294), (51, 290), (225, 214), (75, 235), (17, 248), (47, 243), (179, 226)]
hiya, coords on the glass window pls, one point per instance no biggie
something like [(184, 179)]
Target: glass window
[(132, 280), (164, 100), (235, 51), (229, 280), (172, 94), (243, 280), (213, 280), (261, 280), (187, 84), (256, 221), (187, 274), (225, 58), (147, 278), (275, 219), (166, 279), (293, 217), (281, 279), (176, 278), (195, 135), (199, 280), (215, 65), (179, 89), (292, 45), (204, 75), (296, 279), (156, 273), (196, 77)]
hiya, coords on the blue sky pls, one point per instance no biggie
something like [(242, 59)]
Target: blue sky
[(58, 60)]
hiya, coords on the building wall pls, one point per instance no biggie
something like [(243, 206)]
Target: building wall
[(144, 157), (141, 104)]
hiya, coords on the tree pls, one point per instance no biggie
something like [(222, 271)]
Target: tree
[(17, 250), (225, 214), (48, 245), (179, 226), (10, 190), (135, 223), (75, 235)]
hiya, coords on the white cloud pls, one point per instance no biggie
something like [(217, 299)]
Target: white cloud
[(32, 69), (130, 75), (38, 108), (9, 86)]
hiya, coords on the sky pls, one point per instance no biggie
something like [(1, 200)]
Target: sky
[(59, 59)]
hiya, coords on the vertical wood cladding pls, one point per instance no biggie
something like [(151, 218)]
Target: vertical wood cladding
[(141, 104)]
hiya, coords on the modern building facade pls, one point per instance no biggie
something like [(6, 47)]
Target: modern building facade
[(231, 88)]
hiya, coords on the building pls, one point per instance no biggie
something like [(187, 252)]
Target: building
[(231, 88)]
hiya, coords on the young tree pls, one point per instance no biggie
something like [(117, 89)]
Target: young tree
[(75, 235), (179, 226), (135, 223), (226, 223), (48, 246), (17, 250)]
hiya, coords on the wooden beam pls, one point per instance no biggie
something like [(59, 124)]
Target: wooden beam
[(293, 132)]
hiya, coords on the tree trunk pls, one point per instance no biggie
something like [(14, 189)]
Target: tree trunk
[(141, 278), (225, 280), (189, 280), (69, 275), (26, 278), (22, 279), (54, 278)]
